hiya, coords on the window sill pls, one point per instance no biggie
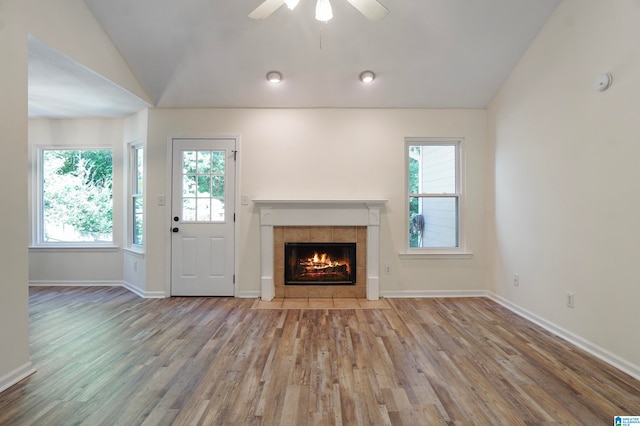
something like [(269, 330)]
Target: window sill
[(436, 255), (74, 248), (134, 251)]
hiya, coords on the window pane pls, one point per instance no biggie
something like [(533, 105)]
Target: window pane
[(432, 169), (139, 170), (77, 199), (433, 222), (137, 221), (137, 187)]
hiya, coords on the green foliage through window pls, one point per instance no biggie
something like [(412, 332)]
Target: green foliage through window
[(77, 195)]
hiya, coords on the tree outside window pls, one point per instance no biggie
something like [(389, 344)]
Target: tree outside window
[(77, 195)]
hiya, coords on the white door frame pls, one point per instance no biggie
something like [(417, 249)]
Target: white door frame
[(168, 202)]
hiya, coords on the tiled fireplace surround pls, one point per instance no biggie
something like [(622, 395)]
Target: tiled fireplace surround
[(319, 221), (320, 234)]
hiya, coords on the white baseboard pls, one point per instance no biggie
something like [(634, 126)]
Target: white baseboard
[(83, 283), (99, 283), (423, 294), (591, 348), (143, 293), (250, 294), (16, 375)]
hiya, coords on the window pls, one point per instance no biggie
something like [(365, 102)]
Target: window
[(76, 196), (136, 190), (434, 193)]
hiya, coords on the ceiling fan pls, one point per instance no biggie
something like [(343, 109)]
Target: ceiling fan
[(373, 10)]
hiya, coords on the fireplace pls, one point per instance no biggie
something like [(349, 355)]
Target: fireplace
[(312, 263), (283, 221)]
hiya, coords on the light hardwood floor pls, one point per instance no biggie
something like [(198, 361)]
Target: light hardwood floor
[(106, 356)]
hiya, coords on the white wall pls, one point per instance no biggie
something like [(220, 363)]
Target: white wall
[(566, 176), (325, 153), (14, 327)]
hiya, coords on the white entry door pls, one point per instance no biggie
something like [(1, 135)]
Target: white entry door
[(203, 210)]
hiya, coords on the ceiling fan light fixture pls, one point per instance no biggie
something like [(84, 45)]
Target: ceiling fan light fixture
[(291, 4), (323, 11), (367, 76), (274, 77)]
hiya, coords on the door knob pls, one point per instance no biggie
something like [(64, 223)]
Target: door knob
[(174, 229), (176, 218)]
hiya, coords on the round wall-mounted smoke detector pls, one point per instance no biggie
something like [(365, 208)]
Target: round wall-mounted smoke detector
[(603, 82)]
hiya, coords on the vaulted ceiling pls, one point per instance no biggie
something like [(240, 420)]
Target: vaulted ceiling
[(425, 53)]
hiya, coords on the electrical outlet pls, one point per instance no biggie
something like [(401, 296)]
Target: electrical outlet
[(387, 269), (516, 280), (570, 300)]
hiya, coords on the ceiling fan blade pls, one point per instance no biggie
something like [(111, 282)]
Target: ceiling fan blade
[(370, 8), (265, 9)]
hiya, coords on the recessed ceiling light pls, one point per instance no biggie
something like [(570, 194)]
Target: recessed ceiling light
[(274, 77), (367, 76)]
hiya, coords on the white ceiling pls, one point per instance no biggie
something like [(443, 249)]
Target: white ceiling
[(426, 53)]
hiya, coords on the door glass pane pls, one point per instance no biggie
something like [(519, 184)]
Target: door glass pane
[(217, 209), (204, 162), (189, 162), (188, 209), (204, 209), (218, 187), (188, 186), (218, 162), (203, 186)]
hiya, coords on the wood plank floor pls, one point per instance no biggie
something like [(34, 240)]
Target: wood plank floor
[(106, 356)]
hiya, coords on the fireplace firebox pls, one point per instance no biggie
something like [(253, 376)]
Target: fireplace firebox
[(320, 263)]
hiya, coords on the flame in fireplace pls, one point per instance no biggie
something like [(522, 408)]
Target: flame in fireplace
[(320, 261)]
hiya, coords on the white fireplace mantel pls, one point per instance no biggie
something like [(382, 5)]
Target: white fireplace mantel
[(319, 213)]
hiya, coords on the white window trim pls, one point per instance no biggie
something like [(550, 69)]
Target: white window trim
[(131, 183), (37, 228), (461, 251)]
